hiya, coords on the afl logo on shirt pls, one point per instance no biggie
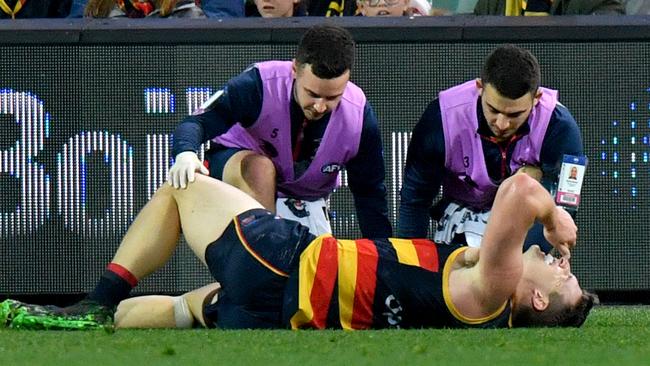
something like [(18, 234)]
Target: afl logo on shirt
[(331, 168)]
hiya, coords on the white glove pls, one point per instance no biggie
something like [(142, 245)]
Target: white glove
[(182, 172)]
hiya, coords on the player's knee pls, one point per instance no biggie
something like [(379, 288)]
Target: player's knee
[(164, 190), (258, 171)]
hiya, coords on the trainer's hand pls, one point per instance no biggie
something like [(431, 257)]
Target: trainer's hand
[(182, 172), (562, 233)]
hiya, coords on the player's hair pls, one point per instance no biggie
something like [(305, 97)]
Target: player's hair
[(328, 49), (556, 314), (512, 71)]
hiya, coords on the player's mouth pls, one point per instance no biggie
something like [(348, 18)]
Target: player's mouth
[(552, 261)]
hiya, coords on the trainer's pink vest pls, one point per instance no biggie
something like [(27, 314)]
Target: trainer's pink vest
[(464, 158), (270, 134)]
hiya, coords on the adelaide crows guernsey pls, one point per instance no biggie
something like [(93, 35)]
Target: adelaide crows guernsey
[(383, 283)]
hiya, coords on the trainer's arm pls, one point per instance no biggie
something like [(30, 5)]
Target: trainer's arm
[(366, 178), (562, 137), (425, 162), (519, 202), (240, 101)]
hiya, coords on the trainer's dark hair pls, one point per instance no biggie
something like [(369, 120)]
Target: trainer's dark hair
[(556, 314), (512, 71), (328, 49)]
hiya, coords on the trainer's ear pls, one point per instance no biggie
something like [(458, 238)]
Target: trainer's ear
[(539, 300), (479, 85), (537, 96)]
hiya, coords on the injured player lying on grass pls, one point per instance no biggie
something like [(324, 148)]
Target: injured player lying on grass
[(273, 274)]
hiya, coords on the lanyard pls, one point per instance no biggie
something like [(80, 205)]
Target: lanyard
[(301, 135), (7, 9)]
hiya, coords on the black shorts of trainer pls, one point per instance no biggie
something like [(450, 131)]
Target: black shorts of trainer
[(217, 157)]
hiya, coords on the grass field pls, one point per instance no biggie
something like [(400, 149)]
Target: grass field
[(612, 336)]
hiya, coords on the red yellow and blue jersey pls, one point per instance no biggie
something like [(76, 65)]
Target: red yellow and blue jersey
[(381, 283)]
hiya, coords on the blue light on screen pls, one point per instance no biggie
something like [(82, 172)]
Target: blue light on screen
[(626, 153)]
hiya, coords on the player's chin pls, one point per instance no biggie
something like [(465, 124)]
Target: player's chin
[(534, 251)]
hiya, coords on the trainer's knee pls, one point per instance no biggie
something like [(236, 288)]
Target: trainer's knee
[(519, 186), (258, 171)]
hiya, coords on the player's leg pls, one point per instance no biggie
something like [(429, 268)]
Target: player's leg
[(147, 245), (157, 311), (206, 208), (152, 236), (203, 210), (154, 311)]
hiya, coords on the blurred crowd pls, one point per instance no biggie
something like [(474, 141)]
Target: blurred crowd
[(15, 9)]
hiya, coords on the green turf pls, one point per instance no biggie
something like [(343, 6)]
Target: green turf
[(612, 336)]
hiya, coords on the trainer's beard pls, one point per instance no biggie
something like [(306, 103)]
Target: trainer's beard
[(313, 115)]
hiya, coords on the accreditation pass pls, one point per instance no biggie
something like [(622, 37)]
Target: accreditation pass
[(572, 174)]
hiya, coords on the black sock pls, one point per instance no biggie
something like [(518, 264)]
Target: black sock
[(114, 285)]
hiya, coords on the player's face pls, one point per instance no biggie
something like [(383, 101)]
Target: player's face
[(275, 8), (317, 96), (383, 8), (504, 115), (551, 275)]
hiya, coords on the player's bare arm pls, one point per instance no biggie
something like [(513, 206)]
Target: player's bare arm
[(487, 285)]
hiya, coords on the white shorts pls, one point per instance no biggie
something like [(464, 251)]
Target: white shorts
[(461, 220), (313, 214)]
